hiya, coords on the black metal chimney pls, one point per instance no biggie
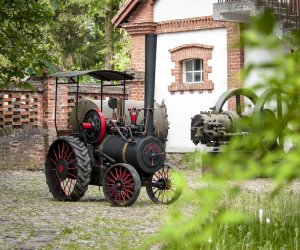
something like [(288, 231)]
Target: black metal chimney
[(150, 63)]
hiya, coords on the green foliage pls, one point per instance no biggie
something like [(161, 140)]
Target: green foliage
[(77, 36), (36, 35), (219, 221), (80, 35), (23, 40)]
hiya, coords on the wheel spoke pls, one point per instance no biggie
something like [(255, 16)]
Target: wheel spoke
[(55, 162), (126, 194), (70, 153), (62, 150), (128, 176), (111, 180), (111, 173), (55, 155), (116, 172), (72, 175), (128, 181), (128, 191), (69, 163), (59, 152)]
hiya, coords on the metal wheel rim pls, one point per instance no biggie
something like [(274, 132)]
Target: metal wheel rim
[(121, 185), (166, 193), (62, 169)]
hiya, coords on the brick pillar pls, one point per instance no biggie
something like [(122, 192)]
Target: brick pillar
[(49, 108), (235, 59), (62, 107), (48, 105)]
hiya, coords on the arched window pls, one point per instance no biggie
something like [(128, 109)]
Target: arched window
[(192, 68)]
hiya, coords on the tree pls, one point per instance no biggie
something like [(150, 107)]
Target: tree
[(24, 43), (112, 38), (73, 35), (84, 36)]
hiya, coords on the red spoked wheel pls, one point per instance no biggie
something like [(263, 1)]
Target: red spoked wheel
[(68, 168), (121, 185), (165, 185)]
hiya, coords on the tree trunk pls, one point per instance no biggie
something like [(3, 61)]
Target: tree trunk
[(109, 36)]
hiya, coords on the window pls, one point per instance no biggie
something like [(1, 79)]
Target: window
[(193, 71)]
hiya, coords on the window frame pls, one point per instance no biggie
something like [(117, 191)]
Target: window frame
[(186, 52), (193, 72)]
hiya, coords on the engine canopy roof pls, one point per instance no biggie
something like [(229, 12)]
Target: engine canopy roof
[(106, 75)]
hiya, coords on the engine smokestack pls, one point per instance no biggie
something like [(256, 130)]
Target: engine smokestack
[(150, 64)]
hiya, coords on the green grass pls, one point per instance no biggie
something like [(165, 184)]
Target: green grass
[(269, 223)]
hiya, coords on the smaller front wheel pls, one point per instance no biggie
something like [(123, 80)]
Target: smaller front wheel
[(121, 185), (165, 185)]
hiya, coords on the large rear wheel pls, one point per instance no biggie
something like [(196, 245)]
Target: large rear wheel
[(121, 185), (165, 185), (68, 168)]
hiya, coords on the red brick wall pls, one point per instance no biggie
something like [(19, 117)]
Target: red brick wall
[(138, 49), (139, 24), (20, 108), (136, 90), (143, 14), (27, 119), (235, 59)]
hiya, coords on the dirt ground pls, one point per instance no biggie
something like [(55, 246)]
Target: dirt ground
[(31, 219)]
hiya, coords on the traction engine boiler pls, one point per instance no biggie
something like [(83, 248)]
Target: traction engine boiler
[(113, 143)]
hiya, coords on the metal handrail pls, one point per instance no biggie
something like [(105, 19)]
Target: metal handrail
[(287, 10)]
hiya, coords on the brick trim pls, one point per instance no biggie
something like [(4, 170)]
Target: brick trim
[(189, 24), (185, 52), (140, 28), (192, 45)]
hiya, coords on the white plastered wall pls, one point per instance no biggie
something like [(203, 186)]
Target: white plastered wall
[(179, 9), (182, 107)]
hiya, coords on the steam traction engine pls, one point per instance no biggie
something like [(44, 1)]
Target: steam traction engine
[(114, 152)]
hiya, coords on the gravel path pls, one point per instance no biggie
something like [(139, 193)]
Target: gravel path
[(31, 219)]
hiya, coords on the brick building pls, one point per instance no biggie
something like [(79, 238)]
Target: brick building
[(199, 51), (198, 58)]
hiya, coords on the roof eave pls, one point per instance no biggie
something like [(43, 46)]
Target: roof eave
[(125, 12)]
